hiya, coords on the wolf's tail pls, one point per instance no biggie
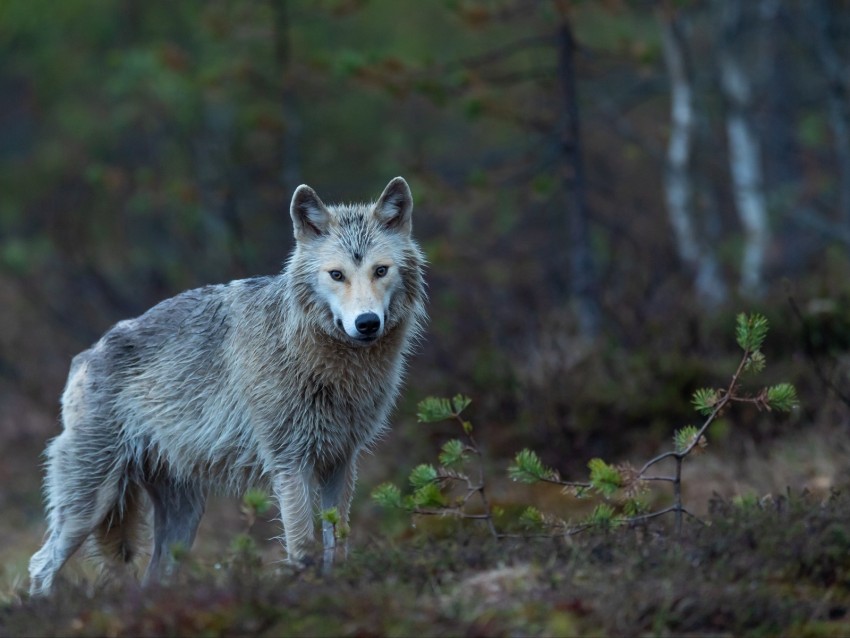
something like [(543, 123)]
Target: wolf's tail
[(117, 537)]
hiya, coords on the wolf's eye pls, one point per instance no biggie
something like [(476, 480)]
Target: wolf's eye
[(336, 275), (380, 271)]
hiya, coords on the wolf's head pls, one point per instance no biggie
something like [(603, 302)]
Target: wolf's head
[(356, 266)]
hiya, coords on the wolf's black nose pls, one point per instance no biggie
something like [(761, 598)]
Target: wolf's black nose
[(367, 324)]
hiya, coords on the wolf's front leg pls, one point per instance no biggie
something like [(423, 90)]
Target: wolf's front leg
[(337, 490), (293, 491)]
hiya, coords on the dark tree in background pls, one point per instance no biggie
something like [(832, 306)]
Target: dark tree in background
[(581, 262)]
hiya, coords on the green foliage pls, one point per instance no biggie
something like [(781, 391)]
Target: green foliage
[(423, 475), (684, 437), (243, 543), (330, 515), (755, 362), (604, 478), (256, 500), (245, 553), (747, 501), (635, 507), (623, 480), (434, 409), (705, 400), (603, 517), (750, 331), (433, 487), (453, 454), (532, 518), (429, 495), (389, 496), (782, 397), (528, 468)]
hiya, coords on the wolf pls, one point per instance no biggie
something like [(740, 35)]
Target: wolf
[(279, 381)]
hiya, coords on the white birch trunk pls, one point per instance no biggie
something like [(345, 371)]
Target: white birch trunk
[(678, 182), (744, 156)]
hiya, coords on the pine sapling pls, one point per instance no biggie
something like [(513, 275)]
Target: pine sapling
[(608, 480), (456, 486)]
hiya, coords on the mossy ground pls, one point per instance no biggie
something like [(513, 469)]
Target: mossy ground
[(776, 566)]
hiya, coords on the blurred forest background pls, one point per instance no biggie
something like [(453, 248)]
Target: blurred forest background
[(600, 187)]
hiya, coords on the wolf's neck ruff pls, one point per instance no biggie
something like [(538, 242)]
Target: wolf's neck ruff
[(283, 379)]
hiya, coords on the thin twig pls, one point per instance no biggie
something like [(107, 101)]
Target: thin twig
[(479, 489), (677, 495), (646, 517), (564, 483)]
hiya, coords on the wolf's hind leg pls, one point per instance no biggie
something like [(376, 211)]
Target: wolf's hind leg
[(178, 507), (47, 561), (116, 537), (71, 524), (82, 487)]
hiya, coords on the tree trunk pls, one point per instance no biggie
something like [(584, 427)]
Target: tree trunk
[(581, 259), (744, 153), (678, 180)]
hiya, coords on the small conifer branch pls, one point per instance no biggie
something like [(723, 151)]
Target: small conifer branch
[(650, 515), (527, 468), (578, 529), (562, 483), (448, 511), (694, 516), (645, 517), (453, 455), (725, 397), (724, 400), (654, 461), (525, 535), (479, 489)]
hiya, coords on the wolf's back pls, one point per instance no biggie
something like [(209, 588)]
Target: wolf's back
[(164, 380)]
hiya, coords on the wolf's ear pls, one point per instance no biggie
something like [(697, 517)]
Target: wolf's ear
[(395, 206), (309, 215)]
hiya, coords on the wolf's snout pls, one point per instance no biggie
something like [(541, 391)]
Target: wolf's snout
[(367, 324)]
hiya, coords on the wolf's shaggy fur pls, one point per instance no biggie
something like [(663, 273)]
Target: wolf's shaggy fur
[(271, 380)]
